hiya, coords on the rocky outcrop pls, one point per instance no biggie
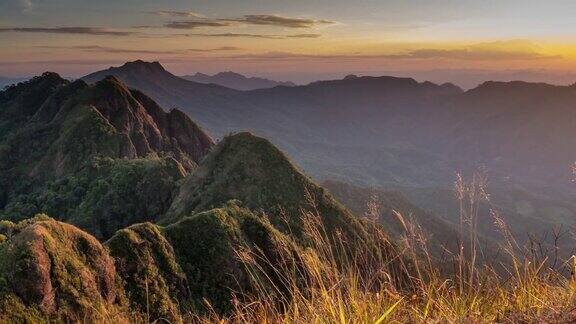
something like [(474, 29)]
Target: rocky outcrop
[(60, 270)]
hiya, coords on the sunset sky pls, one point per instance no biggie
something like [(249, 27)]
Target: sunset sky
[(298, 40)]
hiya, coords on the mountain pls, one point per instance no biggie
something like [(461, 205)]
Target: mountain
[(149, 219), (5, 82), (250, 169), (384, 204), (518, 130), (164, 87), (77, 151), (391, 132), (236, 81), (363, 113), (398, 215), (420, 130)]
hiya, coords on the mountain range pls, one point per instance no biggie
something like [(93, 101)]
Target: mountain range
[(390, 133), (151, 207), (237, 81), (403, 123), (145, 208)]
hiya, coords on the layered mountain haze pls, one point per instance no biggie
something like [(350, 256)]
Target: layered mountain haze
[(329, 121), (237, 81), (395, 117), (394, 133)]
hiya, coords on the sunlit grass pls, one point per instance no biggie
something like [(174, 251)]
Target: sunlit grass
[(344, 286)]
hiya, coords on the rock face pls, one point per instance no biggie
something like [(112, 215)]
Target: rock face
[(148, 128), (132, 124), (55, 271), (59, 269)]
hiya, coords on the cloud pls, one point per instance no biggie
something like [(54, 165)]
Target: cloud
[(176, 13), (266, 20), (68, 30), (16, 6), (104, 49), (281, 21), (501, 50), (304, 36), (192, 24), (26, 5), (262, 36), (473, 53), (469, 54)]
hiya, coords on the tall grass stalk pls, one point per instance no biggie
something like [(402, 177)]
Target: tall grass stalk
[(347, 283)]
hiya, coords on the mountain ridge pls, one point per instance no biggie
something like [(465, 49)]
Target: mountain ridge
[(237, 81)]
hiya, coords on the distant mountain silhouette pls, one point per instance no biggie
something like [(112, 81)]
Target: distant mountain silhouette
[(236, 81), (4, 81)]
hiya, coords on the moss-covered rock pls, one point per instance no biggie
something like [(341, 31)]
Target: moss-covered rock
[(152, 278), (56, 270), (224, 249)]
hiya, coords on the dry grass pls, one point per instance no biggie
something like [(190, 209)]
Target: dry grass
[(349, 285), (345, 284)]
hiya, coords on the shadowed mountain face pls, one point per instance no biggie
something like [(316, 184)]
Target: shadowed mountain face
[(516, 129), (236, 81), (384, 204)]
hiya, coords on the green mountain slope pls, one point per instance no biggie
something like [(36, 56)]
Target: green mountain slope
[(54, 271), (230, 218), (101, 156), (249, 168)]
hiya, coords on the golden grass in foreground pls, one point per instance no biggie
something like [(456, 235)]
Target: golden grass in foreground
[(341, 288)]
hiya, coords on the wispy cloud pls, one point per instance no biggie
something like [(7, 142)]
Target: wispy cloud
[(516, 49), (281, 21), (303, 36), (104, 49), (176, 13), (470, 54), (453, 54), (192, 24), (68, 30), (262, 36), (26, 5), (265, 20)]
